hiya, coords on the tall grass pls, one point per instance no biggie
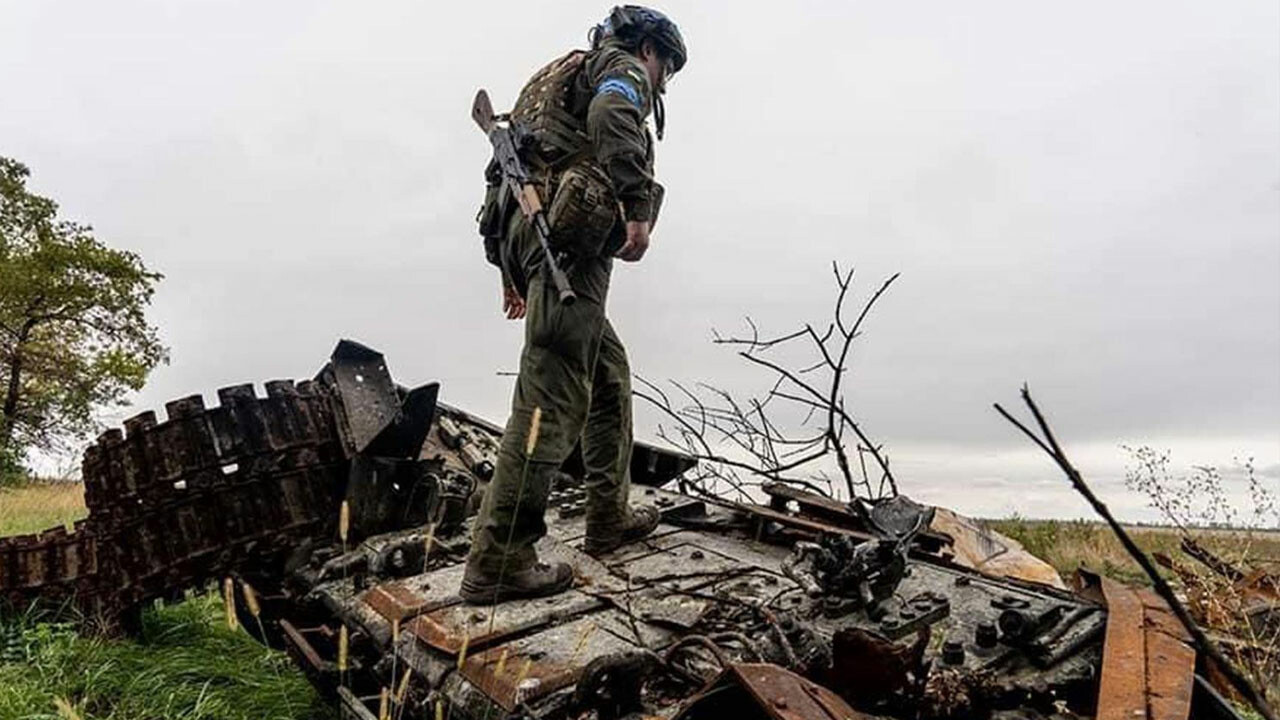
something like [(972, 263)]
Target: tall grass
[(186, 664)]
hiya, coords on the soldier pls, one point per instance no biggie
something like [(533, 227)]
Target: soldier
[(592, 154)]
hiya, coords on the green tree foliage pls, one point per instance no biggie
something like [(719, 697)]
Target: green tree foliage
[(73, 334)]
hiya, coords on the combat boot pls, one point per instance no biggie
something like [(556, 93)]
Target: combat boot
[(537, 580), (606, 537)]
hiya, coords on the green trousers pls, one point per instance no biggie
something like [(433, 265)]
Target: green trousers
[(574, 368)]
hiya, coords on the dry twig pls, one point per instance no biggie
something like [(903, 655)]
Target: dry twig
[(757, 447)]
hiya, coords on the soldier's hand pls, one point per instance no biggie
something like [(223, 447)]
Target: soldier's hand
[(637, 241), (512, 304)]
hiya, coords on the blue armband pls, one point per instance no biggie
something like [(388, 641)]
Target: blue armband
[(618, 86)]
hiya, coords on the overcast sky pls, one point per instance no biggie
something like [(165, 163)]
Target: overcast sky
[(1083, 196)]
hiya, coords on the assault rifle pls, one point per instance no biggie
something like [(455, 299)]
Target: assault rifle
[(506, 141)]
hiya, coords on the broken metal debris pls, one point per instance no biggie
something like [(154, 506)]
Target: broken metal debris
[(976, 546), (806, 608), (750, 691), (1148, 667), (850, 575)]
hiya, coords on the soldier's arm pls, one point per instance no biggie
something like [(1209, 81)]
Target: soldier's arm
[(615, 124)]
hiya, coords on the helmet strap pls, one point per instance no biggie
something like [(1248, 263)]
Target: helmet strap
[(659, 115)]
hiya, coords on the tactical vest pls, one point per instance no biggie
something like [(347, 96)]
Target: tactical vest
[(559, 138), (581, 205), (556, 139), (582, 209)]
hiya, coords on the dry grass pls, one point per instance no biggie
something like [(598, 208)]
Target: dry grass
[(40, 506), (1069, 545)]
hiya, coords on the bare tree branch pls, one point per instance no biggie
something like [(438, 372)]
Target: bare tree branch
[(758, 445)]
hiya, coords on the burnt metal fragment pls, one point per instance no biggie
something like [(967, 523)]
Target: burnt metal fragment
[(985, 635), (611, 684), (869, 669), (953, 652), (751, 691), (850, 574)]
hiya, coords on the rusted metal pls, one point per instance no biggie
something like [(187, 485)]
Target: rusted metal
[(767, 514), (1171, 660), (450, 629), (1148, 665), (811, 503), (234, 489), (1261, 591), (1122, 690), (779, 693), (521, 680), (395, 601), (1210, 560), (1254, 597), (302, 650), (871, 667)]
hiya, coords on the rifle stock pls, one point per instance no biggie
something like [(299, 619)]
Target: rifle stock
[(514, 176)]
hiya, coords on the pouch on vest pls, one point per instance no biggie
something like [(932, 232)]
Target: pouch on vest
[(583, 211), (494, 213)]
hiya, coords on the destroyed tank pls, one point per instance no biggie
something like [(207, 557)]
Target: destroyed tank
[(335, 513)]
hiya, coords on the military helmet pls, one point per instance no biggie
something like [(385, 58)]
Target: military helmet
[(631, 24)]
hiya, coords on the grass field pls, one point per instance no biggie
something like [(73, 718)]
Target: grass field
[(40, 506), (1068, 545), (186, 665)]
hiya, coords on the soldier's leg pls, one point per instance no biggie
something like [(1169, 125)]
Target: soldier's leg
[(555, 376), (606, 453), (606, 440)]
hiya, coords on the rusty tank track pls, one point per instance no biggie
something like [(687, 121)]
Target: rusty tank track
[(176, 504), (237, 488)]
